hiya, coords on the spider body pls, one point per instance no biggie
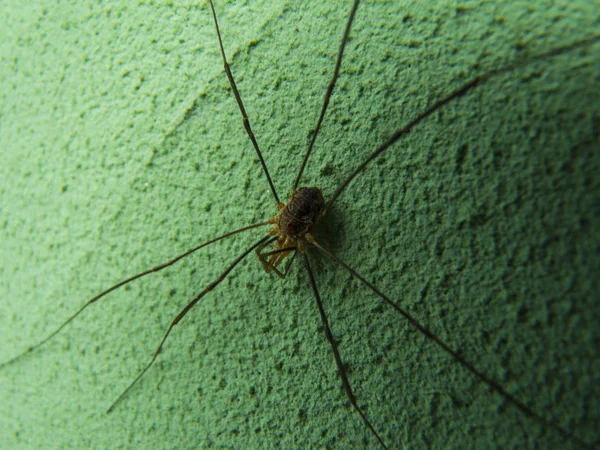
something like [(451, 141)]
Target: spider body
[(293, 225)]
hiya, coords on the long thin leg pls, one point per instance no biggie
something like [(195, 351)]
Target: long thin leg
[(289, 264), (182, 314), (460, 359), (330, 87), (269, 265), (457, 93), (336, 353), (266, 265), (241, 106), (123, 283)]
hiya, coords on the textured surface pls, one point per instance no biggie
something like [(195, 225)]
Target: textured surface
[(121, 146)]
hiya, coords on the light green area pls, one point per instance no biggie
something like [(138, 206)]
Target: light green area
[(121, 146)]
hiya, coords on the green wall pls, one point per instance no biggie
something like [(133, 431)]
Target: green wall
[(121, 146)]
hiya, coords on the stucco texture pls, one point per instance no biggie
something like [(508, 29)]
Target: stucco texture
[(122, 146)]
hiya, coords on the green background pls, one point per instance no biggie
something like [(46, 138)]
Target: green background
[(122, 146)]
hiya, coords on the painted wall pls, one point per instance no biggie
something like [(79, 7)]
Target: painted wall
[(122, 146)]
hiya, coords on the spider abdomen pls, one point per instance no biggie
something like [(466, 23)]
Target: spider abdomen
[(299, 215)]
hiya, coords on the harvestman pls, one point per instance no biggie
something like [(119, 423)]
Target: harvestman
[(291, 232)]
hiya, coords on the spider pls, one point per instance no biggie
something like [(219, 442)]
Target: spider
[(422, 274)]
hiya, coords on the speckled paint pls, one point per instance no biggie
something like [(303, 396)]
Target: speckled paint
[(122, 146)]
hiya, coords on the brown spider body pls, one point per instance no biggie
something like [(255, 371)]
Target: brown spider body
[(294, 223)]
